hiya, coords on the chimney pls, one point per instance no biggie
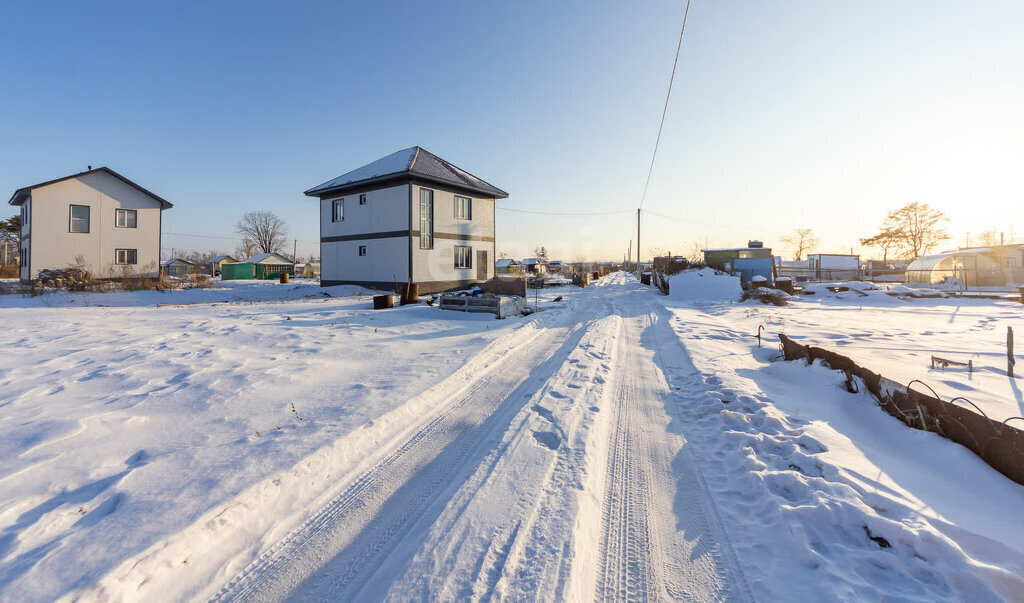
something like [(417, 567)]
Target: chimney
[(90, 168)]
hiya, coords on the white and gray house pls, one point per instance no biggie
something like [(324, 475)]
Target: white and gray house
[(408, 217), (97, 216)]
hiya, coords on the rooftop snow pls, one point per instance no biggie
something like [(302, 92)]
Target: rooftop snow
[(414, 161)]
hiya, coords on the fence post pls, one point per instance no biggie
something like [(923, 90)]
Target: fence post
[(1009, 351)]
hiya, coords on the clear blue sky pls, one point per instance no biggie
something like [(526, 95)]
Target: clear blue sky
[(784, 114)]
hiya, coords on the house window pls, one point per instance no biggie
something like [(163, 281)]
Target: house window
[(463, 256), (362, 199), (126, 256), (79, 218), (337, 210), (463, 208), (23, 260), (362, 250), (24, 214), (426, 219), (126, 218)]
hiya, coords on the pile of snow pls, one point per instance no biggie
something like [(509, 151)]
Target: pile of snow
[(916, 291), (860, 286), (706, 284)]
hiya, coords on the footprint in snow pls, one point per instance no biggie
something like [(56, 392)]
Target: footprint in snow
[(547, 439)]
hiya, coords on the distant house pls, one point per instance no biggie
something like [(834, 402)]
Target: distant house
[(97, 218), (506, 266), (176, 267), (753, 260), (259, 266), (534, 266), (555, 266), (410, 216), (216, 263)]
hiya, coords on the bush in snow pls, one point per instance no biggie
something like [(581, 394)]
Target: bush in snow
[(766, 296)]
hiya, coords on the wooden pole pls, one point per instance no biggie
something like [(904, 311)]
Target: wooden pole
[(638, 242)]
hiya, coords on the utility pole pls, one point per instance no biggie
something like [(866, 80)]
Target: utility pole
[(629, 256), (295, 249), (638, 243)]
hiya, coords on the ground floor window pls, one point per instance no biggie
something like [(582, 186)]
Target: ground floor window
[(463, 256), (126, 256), (362, 250)]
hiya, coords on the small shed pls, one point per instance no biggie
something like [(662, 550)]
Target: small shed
[(176, 267), (533, 266), (506, 266), (719, 258), (259, 266), (834, 266), (311, 270), (216, 263)]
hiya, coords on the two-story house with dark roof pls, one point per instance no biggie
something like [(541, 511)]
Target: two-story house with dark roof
[(407, 217), (97, 219)]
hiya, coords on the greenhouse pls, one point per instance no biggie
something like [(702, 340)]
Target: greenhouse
[(956, 268)]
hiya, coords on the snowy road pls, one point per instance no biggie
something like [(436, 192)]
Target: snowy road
[(523, 432)]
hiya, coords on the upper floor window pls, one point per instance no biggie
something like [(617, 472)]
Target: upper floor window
[(362, 199), (362, 250), (24, 214), (463, 208), (126, 256), (426, 219), (463, 256), (337, 210), (79, 218), (126, 218)]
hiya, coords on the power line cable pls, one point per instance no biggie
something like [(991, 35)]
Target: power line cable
[(555, 213), (664, 110)]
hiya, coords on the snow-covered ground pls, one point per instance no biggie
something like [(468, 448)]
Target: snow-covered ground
[(618, 444)]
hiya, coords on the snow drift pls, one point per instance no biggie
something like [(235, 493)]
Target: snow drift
[(705, 284)]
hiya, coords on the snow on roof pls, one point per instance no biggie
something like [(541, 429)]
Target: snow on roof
[(221, 258), (172, 260), (530, 261), (414, 161), (261, 258), (505, 262)]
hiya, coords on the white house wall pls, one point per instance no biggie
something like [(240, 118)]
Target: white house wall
[(438, 265), (387, 259), (54, 246)]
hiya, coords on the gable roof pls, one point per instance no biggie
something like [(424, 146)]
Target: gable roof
[(263, 257), (412, 162), (502, 263), (173, 260), (22, 194), (221, 258)]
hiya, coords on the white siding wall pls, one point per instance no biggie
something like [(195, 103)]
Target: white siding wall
[(438, 264), (53, 246), (25, 246), (386, 260)]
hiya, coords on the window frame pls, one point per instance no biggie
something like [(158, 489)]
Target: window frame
[(362, 198), (335, 204), (362, 251), (464, 253), (134, 257), (126, 212), (71, 219), (426, 218), (466, 204)]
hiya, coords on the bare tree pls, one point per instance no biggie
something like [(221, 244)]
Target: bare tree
[(246, 249), (919, 226), (989, 238), (887, 240), (696, 254), (801, 240), (265, 230)]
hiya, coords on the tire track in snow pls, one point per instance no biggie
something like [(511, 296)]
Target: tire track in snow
[(659, 537), (335, 553)]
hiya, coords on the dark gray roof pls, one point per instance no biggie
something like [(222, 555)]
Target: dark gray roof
[(412, 162), (21, 194)]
